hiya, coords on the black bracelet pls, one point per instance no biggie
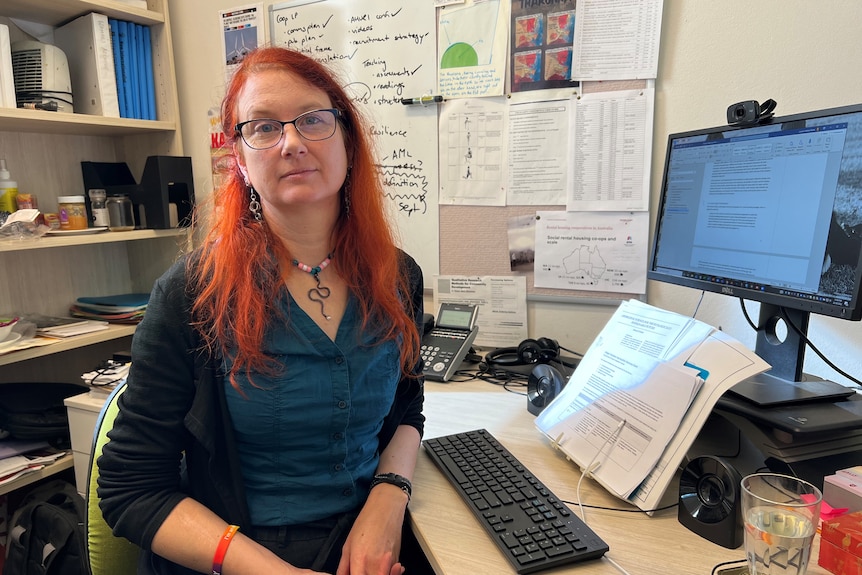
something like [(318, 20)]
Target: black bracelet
[(393, 479)]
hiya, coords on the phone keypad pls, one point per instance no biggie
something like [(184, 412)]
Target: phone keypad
[(440, 348)]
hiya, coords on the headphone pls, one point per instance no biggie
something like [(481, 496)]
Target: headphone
[(529, 351)]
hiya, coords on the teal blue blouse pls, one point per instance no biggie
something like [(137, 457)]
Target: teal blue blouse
[(307, 437)]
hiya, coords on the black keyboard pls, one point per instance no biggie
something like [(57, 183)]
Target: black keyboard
[(532, 528)]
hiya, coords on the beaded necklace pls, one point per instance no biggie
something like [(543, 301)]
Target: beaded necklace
[(321, 292)]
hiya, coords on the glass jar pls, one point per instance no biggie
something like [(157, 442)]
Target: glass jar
[(73, 213), (121, 215), (99, 208)]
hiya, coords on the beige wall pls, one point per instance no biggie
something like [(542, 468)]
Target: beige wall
[(805, 55)]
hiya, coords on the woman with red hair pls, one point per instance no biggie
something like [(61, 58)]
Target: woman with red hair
[(273, 411)]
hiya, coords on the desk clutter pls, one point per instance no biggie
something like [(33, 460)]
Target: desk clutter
[(19, 331), (107, 376)]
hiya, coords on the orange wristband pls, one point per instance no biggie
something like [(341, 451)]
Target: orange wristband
[(221, 550)]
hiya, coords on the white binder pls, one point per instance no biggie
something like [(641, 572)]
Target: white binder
[(86, 42), (7, 81)]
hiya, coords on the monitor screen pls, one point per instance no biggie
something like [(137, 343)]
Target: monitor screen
[(770, 213)]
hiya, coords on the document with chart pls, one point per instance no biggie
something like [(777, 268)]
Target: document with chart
[(640, 395), (593, 251)]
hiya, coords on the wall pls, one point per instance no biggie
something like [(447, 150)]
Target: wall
[(803, 54)]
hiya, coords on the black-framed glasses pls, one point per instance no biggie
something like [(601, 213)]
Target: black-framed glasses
[(265, 133)]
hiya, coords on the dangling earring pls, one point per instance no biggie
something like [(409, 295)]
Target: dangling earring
[(254, 204), (346, 189)]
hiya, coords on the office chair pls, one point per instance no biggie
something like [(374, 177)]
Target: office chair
[(107, 554)]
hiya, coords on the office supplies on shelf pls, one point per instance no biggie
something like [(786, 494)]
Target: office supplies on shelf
[(44, 322), (86, 41), (662, 373), (121, 308), (422, 100), (114, 26), (149, 87), (88, 326), (531, 527)]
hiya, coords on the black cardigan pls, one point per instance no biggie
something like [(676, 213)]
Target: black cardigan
[(175, 404)]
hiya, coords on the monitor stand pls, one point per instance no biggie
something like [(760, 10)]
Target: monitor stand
[(793, 420), (786, 383)]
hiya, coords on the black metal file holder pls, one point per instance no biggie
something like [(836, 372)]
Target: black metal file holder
[(166, 180)]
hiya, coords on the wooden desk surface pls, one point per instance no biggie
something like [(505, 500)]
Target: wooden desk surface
[(457, 545)]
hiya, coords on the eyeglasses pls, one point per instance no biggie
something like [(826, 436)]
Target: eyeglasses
[(265, 132)]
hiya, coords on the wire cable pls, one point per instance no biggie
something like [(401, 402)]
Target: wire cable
[(588, 470), (803, 336), (728, 564)]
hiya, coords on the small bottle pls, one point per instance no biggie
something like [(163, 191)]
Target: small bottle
[(99, 208), (8, 190)]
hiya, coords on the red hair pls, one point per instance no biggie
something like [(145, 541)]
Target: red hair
[(237, 278)]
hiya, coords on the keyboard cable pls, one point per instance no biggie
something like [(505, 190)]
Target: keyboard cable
[(588, 471)]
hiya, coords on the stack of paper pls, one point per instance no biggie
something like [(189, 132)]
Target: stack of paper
[(640, 396), (88, 326), (59, 326), (122, 308), (31, 459)]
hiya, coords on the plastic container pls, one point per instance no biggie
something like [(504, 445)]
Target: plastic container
[(73, 212), (26, 202), (99, 208), (121, 215), (8, 190)]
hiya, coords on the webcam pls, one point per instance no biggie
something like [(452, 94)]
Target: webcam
[(750, 112)]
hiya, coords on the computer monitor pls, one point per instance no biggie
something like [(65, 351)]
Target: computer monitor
[(770, 213)]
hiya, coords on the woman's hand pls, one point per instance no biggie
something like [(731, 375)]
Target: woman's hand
[(374, 542)]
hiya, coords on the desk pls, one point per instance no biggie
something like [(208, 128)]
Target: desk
[(456, 544)]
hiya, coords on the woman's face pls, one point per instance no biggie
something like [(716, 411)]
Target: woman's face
[(295, 171)]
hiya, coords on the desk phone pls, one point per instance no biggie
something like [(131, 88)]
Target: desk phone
[(446, 344)]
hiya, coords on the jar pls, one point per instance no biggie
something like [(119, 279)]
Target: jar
[(52, 220), (99, 208), (121, 215), (26, 201), (73, 213)]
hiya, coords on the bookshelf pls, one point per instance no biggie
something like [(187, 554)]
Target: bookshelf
[(44, 151)]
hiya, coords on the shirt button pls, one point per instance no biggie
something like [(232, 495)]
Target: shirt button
[(347, 492), (337, 435), (342, 404), (339, 360), (338, 466)]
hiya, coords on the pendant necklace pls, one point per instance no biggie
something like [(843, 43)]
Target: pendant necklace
[(319, 293)]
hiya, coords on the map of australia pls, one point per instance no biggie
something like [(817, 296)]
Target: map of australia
[(585, 264)]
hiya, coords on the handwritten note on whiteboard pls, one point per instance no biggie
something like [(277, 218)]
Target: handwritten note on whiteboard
[(385, 51)]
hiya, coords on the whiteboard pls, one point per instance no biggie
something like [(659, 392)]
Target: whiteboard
[(384, 51)]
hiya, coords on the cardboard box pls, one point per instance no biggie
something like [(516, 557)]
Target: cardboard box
[(841, 490), (841, 544)]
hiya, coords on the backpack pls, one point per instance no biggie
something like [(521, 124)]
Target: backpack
[(47, 533), (36, 411)]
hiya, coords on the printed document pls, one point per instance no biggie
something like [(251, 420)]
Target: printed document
[(640, 395), (502, 301)]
